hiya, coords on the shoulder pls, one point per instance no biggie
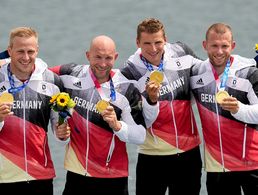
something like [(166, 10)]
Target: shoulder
[(178, 49)]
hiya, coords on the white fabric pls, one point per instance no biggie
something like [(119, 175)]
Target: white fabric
[(1, 125), (247, 113)]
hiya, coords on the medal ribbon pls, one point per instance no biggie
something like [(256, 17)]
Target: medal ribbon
[(149, 66), (224, 77), (99, 89), (14, 89)]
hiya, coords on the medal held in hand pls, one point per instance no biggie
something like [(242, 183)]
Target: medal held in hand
[(102, 105), (6, 97), (221, 95), (156, 76)]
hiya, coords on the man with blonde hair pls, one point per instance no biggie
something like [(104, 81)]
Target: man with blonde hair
[(26, 88), (230, 145)]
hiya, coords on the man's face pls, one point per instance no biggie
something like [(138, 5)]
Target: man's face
[(152, 46), (102, 60), (23, 54), (219, 48)]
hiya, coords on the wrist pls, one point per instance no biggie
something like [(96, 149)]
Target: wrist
[(117, 127), (151, 102)]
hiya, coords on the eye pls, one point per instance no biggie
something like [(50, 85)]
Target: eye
[(31, 52), (98, 57), (109, 58)]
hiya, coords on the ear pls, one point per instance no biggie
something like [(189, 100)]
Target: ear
[(37, 50), (165, 38), (9, 51), (204, 45), (233, 45), (87, 54), (138, 43), (116, 55)]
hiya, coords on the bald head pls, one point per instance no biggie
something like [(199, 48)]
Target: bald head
[(101, 56), (103, 42)]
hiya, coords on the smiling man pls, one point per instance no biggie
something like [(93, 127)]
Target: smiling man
[(25, 158), (170, 156), (102, 122), (231, 146)]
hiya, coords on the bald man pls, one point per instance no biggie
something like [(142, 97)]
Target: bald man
[(102, 123)]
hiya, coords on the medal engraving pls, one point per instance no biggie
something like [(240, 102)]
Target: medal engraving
[(6, 97), (221, 95), (102, 105), (157, 76)]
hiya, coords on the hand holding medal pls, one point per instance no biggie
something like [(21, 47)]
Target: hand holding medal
[(6, 101)]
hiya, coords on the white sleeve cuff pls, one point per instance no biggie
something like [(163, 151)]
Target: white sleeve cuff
[(123, 132), (1, 125), (239, 112), (150, 112), (247, 113)]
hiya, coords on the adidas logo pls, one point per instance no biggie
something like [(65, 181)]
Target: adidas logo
[(2, 89), (199, 82), (78, 84)]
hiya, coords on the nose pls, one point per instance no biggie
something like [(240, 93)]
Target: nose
[(153, 47), (220, 50), (102, 63), (26, 56)]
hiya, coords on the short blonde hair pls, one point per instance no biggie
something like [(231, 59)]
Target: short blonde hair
[(219, 28), (22, 32)]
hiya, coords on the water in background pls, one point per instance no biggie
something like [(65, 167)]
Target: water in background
[(66, 28)]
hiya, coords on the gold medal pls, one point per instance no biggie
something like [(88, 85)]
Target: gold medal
[(102, 105), (6, 97), (157, 76), (221, 95)]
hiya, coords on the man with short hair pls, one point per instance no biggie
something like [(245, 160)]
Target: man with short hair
[(170, 156), (27, 85), (231, 146)]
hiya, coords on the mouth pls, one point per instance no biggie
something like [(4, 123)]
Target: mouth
[(154, 54), (102, 69), (25, 63), (219, 58)]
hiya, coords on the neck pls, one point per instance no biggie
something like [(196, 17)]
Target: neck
[(102, 80), (219, 69), (20, 75)]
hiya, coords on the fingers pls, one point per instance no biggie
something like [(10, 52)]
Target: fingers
[(230, 104), (152, 89), (63, 131), (5, 110), (109, 116)]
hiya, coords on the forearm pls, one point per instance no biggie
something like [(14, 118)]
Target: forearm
[(150, 112), (247, 113)]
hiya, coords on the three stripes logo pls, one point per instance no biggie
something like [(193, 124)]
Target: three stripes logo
[(2, 89), (78, 84), (199, 82)]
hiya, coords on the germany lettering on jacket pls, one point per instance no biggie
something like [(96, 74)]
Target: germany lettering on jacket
[(208, 98), (85, 104), (172, 86), (31, 104)]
